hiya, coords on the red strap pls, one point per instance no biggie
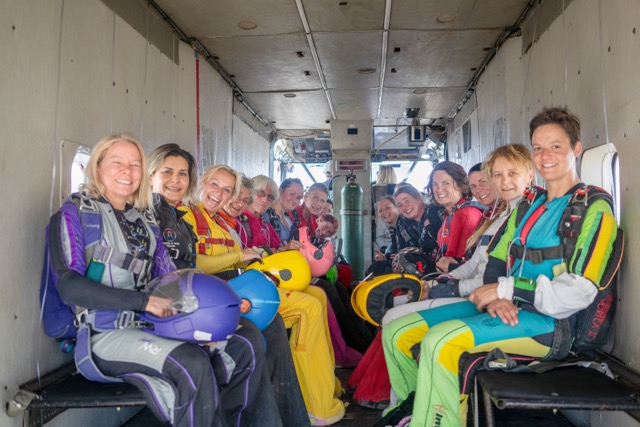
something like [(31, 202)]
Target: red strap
[(526, 228), (204, 232)]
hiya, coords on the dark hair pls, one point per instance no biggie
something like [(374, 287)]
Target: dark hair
[(456, 172), (408, 189), (330, 219), (174, 150), (560, 116), (290, 181), (475, 168)]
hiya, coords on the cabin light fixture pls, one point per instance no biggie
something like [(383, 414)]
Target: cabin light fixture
[(289, 95), (366, 70), (446, 17), (247, 25)]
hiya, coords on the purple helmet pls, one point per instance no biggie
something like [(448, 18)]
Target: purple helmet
[(259, 295), (208, 309)]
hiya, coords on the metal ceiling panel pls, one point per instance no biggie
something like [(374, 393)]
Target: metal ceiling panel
[(468, 51), (308, 110), (266, 63), (421, 59), (355, 15), (497, 14), (355, 104), (440, 104), (438, 58), (466, 14), (219, 18), (394, 102), (342, 54)]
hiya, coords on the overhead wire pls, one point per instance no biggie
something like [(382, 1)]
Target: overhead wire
[(52, 193), (608, 142)]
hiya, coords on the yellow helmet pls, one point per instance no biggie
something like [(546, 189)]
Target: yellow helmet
[(372, 297), (289, 269)]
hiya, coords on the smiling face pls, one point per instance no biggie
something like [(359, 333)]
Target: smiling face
[(291, 197), (217, 191), (237, 205), (409, 207), (262, 200), (314, 201), (171, 180), (445, 190), (120, 172), (388, 212), (325, 229), (510, 178), (482, 189), (552, 154)]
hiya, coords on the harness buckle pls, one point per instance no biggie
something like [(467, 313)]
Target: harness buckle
[(81, 317), (581, 195), (535, 256), (126, 319)]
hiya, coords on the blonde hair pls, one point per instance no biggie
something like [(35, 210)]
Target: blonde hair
[(158, 156), (208, 174), (260, 182), (141, 197), (514, 153), (386, 175)]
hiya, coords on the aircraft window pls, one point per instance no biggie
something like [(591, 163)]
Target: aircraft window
[(296, 170), (466, 136), (73, 160), (601, 166), (417, 175)]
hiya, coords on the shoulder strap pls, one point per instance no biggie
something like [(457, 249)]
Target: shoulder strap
[(204, 233), (202, 228), (244, 221), (530, 195), (573, 215)]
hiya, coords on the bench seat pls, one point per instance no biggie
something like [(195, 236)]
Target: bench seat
[(561, 388), (63, 389)]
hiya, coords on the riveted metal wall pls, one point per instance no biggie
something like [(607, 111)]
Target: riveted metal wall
[(75, 70), (587, 59)]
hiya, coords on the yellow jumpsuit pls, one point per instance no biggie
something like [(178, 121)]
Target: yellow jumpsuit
[(305, 313)]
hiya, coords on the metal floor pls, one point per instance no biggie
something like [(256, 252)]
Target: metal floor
[(358, 416)]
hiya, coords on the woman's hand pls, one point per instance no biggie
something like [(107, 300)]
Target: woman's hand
[(443, 263), (160, 307), (484, 295), (505, 310), (293, 244), (378, 256), (250, 254)]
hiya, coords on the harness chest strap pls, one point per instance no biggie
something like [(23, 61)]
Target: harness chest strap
[(568, 228), (108, 255), (204, 233)]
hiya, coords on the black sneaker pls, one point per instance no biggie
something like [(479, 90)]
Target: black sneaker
[(395, 415)]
